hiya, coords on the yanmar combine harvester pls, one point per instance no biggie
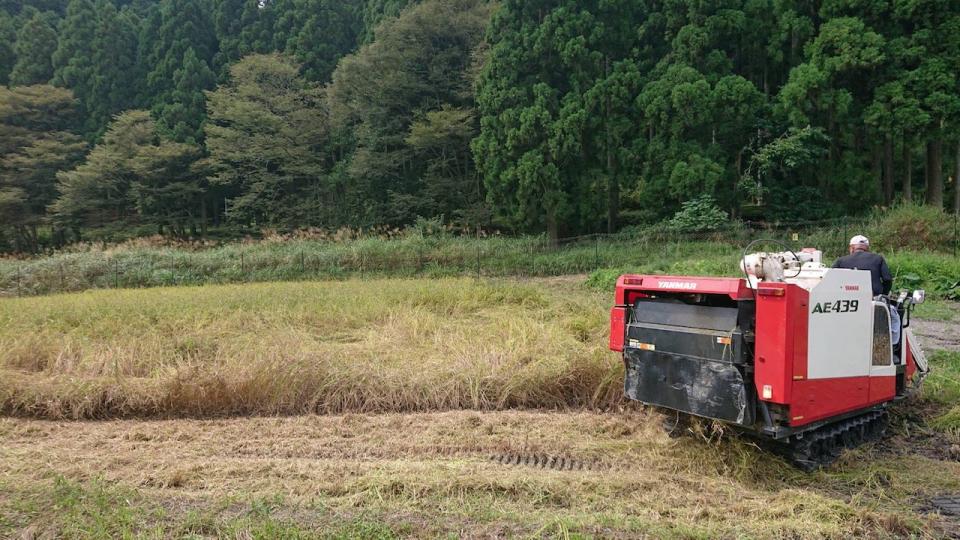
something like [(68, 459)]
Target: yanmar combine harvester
[(794, 352)]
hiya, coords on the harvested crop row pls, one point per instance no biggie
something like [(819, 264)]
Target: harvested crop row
[(429, 475), (290, 348)]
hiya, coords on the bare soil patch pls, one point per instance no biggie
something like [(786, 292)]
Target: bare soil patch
[(938, 334)]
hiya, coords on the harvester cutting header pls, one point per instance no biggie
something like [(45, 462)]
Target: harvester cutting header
[(795, 352)]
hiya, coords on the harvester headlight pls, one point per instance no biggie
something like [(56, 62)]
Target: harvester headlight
[(919, 296)]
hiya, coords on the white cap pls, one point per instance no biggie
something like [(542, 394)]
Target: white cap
[(859, 240)]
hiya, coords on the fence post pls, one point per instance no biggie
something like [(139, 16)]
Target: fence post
[(18, 280), (63, 281), (845, 239), (241, 263), (956, 229), (116, 273), (303, 262), (478, 260)]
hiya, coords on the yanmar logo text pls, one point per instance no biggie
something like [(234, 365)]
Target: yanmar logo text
[(677, 285)]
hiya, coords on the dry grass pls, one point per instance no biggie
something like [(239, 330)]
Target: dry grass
[(392, 347), (291, 348), (429, 475)]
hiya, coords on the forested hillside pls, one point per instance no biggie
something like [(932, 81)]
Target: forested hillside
[(120, 118)]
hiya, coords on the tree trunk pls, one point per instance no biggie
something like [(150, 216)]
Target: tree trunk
[(203, 217), (935, 173), (888, 170), (956, 181), (553, 228), (613, 202), (907, 172), (613, 183)]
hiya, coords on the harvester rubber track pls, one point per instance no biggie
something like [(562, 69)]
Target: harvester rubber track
[(822, 446), (543, 461)]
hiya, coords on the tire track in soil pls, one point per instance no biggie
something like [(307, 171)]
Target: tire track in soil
[(555, 463)]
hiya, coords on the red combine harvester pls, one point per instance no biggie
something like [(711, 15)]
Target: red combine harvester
[(795, 352)]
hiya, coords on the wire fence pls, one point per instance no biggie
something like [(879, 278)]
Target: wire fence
[(493, 256)]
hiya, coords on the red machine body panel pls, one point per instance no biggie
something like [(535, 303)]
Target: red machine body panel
[(782, 365), (781, 348), (629, 285), (817, 399), (882, 389), (618, 324)]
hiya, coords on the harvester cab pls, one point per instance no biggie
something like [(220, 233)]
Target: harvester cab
[(794, 351)]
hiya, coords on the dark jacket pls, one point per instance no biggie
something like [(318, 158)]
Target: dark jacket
[(876, 264)]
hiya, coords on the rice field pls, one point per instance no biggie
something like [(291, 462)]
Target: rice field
[(294, 348), (405, 408)]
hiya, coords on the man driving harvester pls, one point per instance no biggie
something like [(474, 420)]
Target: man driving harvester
[(860, 258)]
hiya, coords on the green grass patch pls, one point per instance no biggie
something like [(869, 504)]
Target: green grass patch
[(99, 510), (943, 384), (943, 389), (916, 241), (63, 508), (937, 310)]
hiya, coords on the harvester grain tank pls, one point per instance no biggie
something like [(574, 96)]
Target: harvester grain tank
[(794, 352)]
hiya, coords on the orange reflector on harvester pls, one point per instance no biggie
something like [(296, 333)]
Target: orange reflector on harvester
[(771, 292), (633, 281), (647, 347), (724, 340)]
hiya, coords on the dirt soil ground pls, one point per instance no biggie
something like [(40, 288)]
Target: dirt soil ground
[(943, 335)]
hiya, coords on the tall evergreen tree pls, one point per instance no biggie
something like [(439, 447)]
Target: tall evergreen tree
[(182, 117), (146, 43), (376, 11), (181, 56), (536, 127), (228, 21), (114, 60), (8, 37), (257, 22), (284, 16), (73, 59), (36, 42), (330, 31), (183, 25)]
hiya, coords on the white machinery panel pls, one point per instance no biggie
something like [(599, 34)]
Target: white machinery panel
[(841, 325)]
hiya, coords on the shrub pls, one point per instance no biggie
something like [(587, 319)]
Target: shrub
[(916, 227), (697, 215), (938, 274)]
